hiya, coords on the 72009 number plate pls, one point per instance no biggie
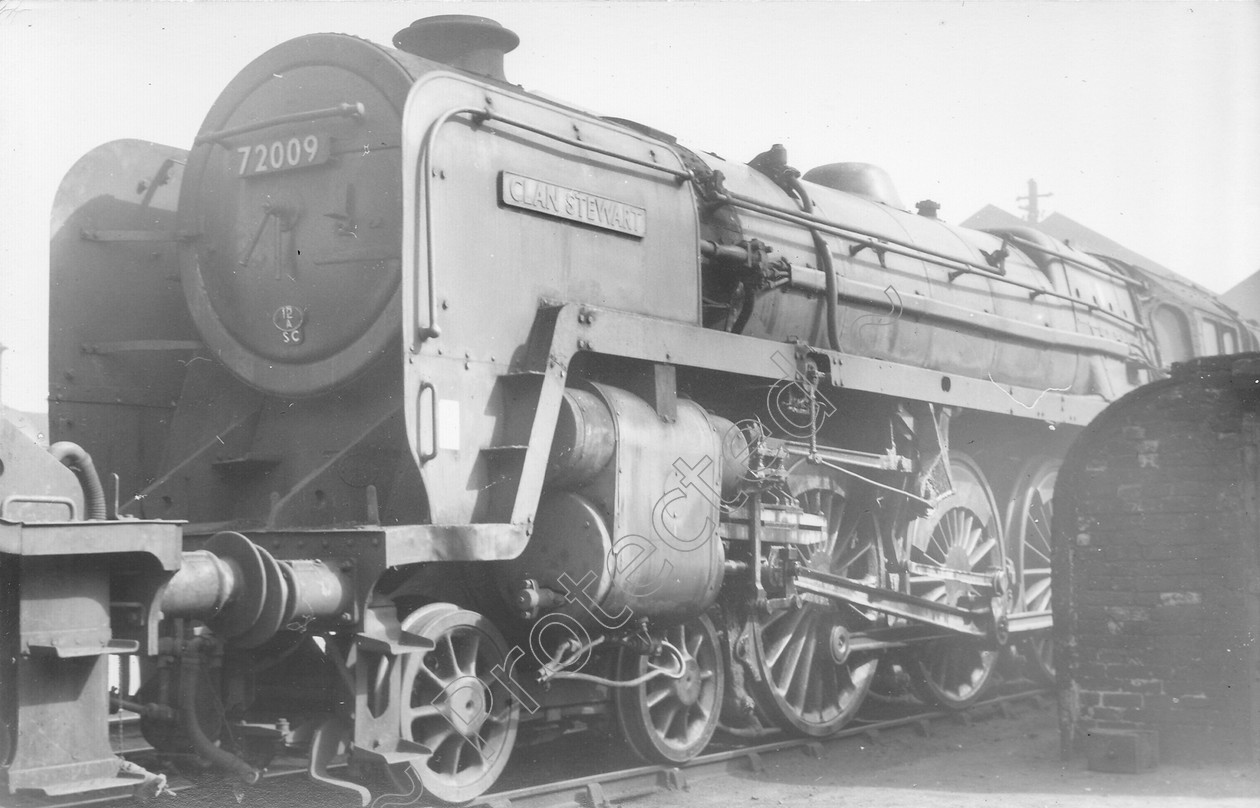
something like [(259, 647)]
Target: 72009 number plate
[(284, 154)]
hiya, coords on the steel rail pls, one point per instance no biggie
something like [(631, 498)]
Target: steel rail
[(596, 790)]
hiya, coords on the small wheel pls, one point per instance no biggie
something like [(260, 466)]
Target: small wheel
[(454, 705), (1028, 516), (963, 533), (669, 720), (805, 679)]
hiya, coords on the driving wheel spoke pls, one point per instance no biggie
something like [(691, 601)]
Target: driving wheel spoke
[(795, 681), (981, 553), (951, 673), (1028, 518)]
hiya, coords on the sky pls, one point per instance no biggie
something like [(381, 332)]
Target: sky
[(1141, 118)]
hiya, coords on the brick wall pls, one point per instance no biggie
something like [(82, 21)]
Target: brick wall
[(1157, 583)]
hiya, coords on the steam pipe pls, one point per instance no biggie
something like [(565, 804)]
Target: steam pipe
[(824, 263), (76, 458)]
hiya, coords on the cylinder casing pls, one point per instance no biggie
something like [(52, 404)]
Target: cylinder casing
[(637, 537)]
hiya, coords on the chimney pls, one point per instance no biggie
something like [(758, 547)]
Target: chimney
[(475, 44)]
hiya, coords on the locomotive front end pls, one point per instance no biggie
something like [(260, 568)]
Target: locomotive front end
[(384, 256), (292, 200)]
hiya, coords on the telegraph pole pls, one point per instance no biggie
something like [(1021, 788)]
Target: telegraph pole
[(1034, 212)]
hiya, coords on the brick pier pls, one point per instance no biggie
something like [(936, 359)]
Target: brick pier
[(1156, 571)]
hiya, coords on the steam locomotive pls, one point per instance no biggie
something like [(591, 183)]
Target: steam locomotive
[(436, 412)]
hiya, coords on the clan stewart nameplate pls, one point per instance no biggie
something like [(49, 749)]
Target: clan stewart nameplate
[(571, 204)]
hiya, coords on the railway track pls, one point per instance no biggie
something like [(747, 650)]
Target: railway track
[(601, 787)]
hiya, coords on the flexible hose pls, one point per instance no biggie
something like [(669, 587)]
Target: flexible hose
[(679, 672), (824, 263), (76, 458), (190, 669)]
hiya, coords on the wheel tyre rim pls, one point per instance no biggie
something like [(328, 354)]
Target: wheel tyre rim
[(1029, 523), (799, 687), (961, 534), (667, 720), (454, 705), (796, 682)]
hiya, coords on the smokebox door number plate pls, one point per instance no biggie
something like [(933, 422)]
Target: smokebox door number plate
[(283, 154), (571, 204)]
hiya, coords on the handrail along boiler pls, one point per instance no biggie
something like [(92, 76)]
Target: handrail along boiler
[(438, 411)]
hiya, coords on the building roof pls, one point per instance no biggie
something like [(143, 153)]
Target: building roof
[(991, 217), (33, 424), (1076, 235), (1245, 297), (1085, 239)]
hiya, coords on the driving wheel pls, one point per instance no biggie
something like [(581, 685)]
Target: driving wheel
[(962, 534), (805, 679), (1028, 518)]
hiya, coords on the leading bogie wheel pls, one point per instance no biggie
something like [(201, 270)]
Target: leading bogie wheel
[(670, 718), (805, 679), (453, 704), (963, 533), (1028, 516)]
